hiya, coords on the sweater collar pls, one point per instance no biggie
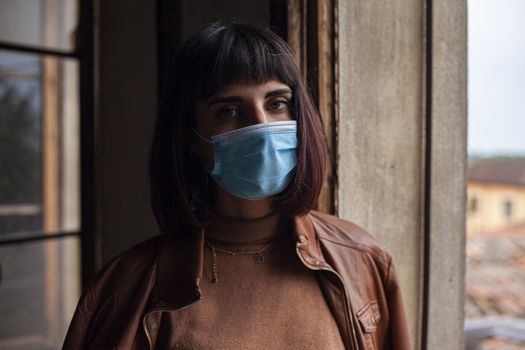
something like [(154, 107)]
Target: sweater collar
[(239, 230)]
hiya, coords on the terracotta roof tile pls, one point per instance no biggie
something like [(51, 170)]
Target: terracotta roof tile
[(495, 276), (498, 170)]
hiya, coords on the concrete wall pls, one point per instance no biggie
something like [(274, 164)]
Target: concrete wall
[(402, 149), (381, 125), (447, 168)]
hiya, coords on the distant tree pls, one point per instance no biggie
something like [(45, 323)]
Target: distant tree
[(20, 146), (473, 158)]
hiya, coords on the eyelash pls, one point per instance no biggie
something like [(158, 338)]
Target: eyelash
[(283, 101), (226, 111)]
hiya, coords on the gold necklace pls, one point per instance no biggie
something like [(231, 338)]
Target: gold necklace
[(257, 258)]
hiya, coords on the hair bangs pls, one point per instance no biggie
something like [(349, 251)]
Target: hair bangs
[(241, 55)]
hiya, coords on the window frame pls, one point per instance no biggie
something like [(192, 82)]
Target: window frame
[(83, 52)]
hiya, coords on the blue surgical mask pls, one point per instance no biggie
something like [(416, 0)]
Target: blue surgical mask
[(257, 161)]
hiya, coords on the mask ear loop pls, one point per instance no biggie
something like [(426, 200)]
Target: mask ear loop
[(202, 137), (204, 171), (199, 158)]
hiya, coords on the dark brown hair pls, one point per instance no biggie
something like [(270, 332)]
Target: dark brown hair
[(218, 55)]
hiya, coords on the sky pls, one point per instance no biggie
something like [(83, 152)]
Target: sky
[(496, 49)]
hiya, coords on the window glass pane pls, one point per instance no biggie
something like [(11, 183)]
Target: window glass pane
[(39, 151), (38, 292), (46, 23)]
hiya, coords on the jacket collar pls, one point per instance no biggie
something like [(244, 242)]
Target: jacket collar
[(307, 243), (179, 269), (180, 263)]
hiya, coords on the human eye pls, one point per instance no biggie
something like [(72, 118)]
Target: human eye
[(278, 105), (228, 112)]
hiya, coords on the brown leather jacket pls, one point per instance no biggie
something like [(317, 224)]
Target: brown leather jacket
[(122, 306)]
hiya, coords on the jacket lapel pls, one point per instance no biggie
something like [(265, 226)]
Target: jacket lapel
[(330, 282), (179, 270), (307, 245)]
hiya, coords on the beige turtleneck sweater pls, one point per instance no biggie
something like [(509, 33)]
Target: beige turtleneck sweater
[(273, 302)]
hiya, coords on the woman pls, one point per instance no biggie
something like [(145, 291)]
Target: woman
[(244, 261)]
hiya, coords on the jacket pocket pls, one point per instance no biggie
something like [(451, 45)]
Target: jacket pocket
[(369, 317)]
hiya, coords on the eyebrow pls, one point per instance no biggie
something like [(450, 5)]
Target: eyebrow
[(226, 99), (278, 92)]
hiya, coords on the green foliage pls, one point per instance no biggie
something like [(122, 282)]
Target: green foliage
[(473, 158), (20, 147)]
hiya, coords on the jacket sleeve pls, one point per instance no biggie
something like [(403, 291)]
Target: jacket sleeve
[(78, 332), (398, 334), (98, 294)]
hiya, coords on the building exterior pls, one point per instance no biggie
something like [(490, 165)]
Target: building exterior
[(496, 195)]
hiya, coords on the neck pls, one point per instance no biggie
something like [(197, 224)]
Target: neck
[(235, 207)]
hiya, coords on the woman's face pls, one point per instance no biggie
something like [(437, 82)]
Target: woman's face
[(239, 105)]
